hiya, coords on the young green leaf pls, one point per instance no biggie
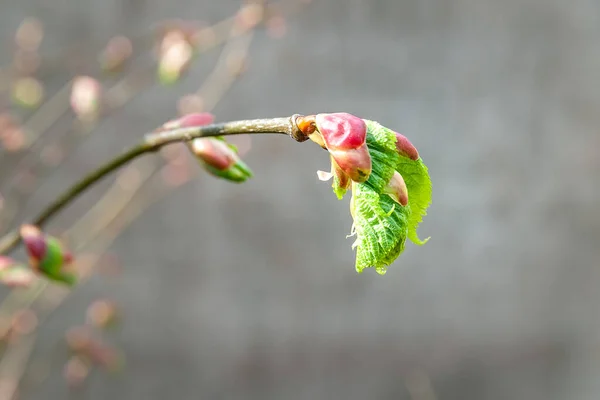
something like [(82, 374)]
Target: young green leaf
[(381, 222)]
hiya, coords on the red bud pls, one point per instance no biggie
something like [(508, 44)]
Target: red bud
[(405, 147), (190, 120), (35, 242), (342, 131)]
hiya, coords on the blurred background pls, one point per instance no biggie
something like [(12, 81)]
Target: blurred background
[(225, 291)]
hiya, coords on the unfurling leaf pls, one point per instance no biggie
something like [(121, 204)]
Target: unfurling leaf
[(387, 208)]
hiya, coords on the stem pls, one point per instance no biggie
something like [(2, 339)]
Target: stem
[(152, 143)]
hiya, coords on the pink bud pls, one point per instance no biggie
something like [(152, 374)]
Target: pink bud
[(190, 120), (102, 313), (356, 163), (344, 135), (405, 147), (76, 371), (214, 152), (175, 55), (116, 53), (342, 131), (35, 242), (397, 189)]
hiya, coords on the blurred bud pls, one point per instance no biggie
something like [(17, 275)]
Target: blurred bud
[(78, 338), (187, 29), (14, 273), (221, 159), (6, 121), (344, 136), (47, 256), (102, 314), (29, 34), (28, 92), (397, 190), (249, 16), (13, 138), (116, 53), (175, 54), (190, 121), (85, 98), (76, 370), (106, 357), (405, 147), (6, 262)]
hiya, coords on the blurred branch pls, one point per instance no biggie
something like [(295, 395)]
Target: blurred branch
[(152, 143), (117, 96)]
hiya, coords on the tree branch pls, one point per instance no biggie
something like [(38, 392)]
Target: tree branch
[(152, 143)]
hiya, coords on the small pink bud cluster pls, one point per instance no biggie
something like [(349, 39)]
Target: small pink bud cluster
[(344, 136)]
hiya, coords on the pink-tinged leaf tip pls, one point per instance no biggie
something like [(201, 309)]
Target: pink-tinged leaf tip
[(405, 147), (397, 189)]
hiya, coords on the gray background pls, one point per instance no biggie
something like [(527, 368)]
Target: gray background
[(249, 291)]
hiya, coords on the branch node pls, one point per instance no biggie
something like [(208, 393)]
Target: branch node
[(295, 132)]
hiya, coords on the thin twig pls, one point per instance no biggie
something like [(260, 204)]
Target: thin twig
[(152, 143)]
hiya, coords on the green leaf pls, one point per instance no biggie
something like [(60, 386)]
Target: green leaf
[(381, 225), (53, 263), (416, 177)]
